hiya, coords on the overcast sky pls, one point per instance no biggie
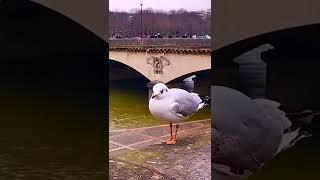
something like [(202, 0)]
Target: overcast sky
[(191, 5)]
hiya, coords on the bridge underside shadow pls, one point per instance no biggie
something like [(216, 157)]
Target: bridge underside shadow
[(121, 75), (202, 82), (303, 39)]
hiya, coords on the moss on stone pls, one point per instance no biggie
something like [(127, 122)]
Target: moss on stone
[(140, 156)]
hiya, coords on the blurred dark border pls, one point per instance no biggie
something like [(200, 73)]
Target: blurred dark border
[(293, 80), (53, 89)]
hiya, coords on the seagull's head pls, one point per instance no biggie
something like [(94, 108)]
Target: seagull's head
[(159, 91)]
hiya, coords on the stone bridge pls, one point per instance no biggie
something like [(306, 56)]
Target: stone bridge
[(162, 59)]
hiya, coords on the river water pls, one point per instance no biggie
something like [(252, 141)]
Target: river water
[(56, 140), (297, 163)]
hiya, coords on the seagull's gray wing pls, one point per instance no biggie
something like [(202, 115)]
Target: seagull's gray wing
[(272, 110), (184, 105), (181, 110)]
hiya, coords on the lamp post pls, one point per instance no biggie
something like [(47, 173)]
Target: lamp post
[(170, 17), (202, 16), (130, 20), (141, 20)]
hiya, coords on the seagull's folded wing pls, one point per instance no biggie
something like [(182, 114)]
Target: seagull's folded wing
[(182, 109)]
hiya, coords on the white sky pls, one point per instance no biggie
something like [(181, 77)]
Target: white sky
[(191, 5)]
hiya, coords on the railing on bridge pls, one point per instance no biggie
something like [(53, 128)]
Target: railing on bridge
[(180, 43)]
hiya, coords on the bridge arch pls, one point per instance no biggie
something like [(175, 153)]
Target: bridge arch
[(291, 64), (133, 66), (288, 37), (171, 66), (202, 81), (202, 74), (95, 21), (119, 70)]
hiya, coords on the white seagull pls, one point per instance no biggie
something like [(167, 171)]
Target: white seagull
[(173, 105), (249, 132)]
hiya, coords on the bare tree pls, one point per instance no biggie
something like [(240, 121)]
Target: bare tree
[(168, 23)]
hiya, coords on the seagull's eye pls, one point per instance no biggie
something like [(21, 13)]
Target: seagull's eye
[(161, 91)]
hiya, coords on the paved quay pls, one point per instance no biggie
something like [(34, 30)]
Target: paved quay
[(141, 153)]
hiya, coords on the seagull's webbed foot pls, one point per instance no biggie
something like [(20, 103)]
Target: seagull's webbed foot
[(171, 142), (173, 139)]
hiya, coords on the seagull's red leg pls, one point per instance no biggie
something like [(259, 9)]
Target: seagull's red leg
[(171, 137), (175, 135)]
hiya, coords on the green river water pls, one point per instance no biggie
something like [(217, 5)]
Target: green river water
[(297, 163)]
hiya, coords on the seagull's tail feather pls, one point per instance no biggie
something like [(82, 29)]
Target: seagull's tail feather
[(301, 128), (204, 101)]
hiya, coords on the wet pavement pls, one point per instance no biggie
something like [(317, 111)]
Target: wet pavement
[(131, 139), (142, 153)]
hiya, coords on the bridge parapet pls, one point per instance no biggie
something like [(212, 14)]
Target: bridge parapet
[(164, 50), (180, 43), (163, 45)]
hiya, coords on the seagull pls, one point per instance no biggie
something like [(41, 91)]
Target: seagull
[(249, 132), (173, 105)]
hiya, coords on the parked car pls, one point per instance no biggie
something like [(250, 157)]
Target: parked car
[(118, 36), (158, 35)]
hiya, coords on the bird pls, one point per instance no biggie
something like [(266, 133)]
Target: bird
[(174, 105), (252, 131)]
